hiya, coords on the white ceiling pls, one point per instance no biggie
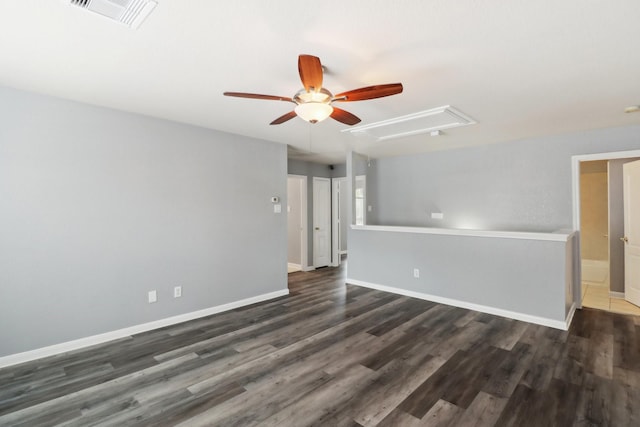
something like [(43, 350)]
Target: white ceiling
[(520, 68)]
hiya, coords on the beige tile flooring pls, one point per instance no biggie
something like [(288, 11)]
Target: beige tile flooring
[(291, 269), (594, 296)]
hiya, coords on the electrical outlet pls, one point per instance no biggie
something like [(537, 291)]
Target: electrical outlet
[(152, 296), (177, 291), (416, 273)]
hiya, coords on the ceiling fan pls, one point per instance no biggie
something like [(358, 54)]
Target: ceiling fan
[(313, 102)]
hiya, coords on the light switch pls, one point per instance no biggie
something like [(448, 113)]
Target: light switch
[(369, 208), (277, 208), (437, 215)]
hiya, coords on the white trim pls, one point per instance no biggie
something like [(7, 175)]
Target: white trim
[(457, 118), (292, 265), (569, 318), (559, 236), (308, 268), (557, 324), (335, 225), (575, 169), (343, 252), (612, 155), (14, 359), (614, 294)]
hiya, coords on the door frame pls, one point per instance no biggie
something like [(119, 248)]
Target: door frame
[(315, 193), (631, 293), (304, 248), (575, 178), (337, 186)]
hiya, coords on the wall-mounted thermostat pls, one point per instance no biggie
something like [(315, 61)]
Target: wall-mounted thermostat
[(275, 199)]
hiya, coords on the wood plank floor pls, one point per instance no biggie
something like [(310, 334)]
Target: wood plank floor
[(336, 355)]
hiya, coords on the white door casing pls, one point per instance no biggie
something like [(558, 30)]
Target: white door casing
[(631, 188), (321, 222)]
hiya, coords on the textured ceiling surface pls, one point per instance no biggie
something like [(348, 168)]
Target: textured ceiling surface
[(519, 68)]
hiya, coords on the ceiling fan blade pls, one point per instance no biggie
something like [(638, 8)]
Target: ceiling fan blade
[(344, 117), (369, 92), (290, 115), (310, 71), (258, 96)]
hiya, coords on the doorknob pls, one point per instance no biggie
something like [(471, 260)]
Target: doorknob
[(625, 239)]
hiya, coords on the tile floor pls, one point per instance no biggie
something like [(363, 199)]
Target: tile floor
[(291, 269), (594, 296)]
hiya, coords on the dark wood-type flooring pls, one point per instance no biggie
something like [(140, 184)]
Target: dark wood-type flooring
[(336, 355)]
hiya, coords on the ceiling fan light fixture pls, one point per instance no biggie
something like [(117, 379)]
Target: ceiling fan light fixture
[(313, 102), (314, 112)]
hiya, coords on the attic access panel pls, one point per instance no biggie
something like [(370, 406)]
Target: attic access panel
[(426, 121), (128, 12)]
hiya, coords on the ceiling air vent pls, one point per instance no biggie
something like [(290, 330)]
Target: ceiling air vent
[(128, 12), (431, 121)]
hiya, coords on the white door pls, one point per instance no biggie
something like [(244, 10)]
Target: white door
[(321, 222), (297, 222), (631, 186)]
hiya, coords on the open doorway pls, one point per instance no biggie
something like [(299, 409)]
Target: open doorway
[(599, 217), (296, 223), (594, 233), (339, 204)]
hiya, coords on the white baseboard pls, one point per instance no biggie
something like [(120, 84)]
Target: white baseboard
[(569, 319), (342, 252), (614, 294), (557, 324), (308, 268), (292, 265), (14, 359)]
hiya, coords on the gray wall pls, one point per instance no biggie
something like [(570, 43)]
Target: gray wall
[(310, 169), (294, 222), (339, 170), (523, 276), (523, 185), (97, 207)]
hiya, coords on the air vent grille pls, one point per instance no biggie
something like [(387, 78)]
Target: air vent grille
[(426, 121), (128, 12)]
